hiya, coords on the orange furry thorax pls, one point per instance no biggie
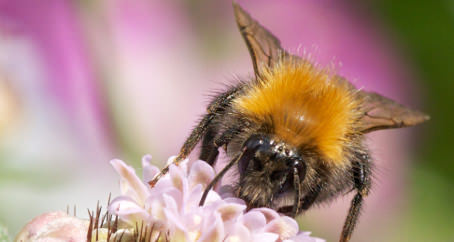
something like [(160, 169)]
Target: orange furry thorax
[(306, 106)]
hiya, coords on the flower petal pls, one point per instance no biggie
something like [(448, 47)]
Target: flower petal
[(238, 233), (212, 197), (175, 220), (122, 202), (255, 221), (230, 211), (133, 216), (265, 237), (193, 198), (54, 226), (235, 200), (285, 226), (214, 232), (304, 237), (131, 183), (155, 206), (170, 204), (178, 177), (200, 173), (149, 170), (269, 213)]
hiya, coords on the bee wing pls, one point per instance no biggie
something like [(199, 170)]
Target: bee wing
[(383, 113), (264, 47)]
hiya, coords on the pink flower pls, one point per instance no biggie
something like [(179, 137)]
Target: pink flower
[(54, 226), (60, 226), (172, 207)]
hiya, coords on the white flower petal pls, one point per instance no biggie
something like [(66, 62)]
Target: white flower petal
[(156, 206), (212, 197), (133, 216), (149, 170), (214, 230), (255, 221), (304, 237), (170, 204), (194, 219), (200, 173), (238, 233), (230, 211), (285, 226), (175, 220), (132, 182), (178, 178), (269, 213), (192, 200), (265, 237), (235, 200), (122, 202)]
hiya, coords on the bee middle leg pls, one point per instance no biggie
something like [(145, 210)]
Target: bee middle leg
[(361, 176), (310, 197), (212, 143), (209, 152)]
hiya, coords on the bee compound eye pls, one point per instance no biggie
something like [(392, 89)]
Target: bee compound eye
[(254, 141)]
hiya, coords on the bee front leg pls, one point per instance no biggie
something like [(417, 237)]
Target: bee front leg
[(361, 177), (224, 139), (219, 104), (188, 145)]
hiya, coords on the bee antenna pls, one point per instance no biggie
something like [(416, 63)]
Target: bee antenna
[(245, 154), (299, 168), (297, 187)]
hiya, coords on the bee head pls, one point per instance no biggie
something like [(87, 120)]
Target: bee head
[(267, 170)]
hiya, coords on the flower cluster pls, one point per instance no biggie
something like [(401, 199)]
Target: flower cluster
[(168, 211), (172, 208)]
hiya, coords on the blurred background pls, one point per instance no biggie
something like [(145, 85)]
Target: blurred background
[(82, 82)]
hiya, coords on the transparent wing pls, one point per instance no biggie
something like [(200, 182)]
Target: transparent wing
[(383, 113), (264, 47)]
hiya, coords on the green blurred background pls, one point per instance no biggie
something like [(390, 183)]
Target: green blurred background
[(82, 82), (426, 29)]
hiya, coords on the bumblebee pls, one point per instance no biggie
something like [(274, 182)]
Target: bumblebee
[(294, 132)]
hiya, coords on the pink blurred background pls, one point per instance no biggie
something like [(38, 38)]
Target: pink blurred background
[(88, 81)]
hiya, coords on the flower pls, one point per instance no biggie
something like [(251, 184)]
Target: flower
[(54, 226), (168, 211), (172, 208), (61, 226)]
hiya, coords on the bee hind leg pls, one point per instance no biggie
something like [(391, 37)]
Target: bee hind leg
[(361, 176)]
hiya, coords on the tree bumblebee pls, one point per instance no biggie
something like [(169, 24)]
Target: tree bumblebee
[(295, 131)]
